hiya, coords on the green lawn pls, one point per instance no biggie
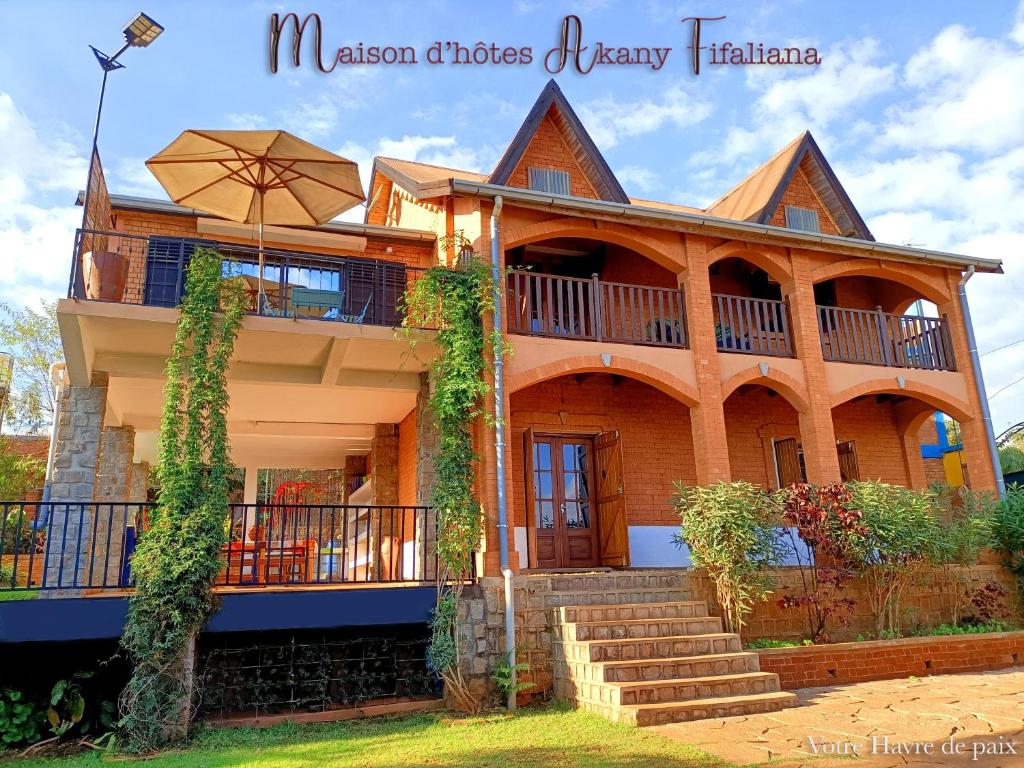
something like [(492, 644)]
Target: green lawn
[(549, 736)]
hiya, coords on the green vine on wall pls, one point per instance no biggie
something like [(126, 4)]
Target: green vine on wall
[(454, 302), (178, 557)]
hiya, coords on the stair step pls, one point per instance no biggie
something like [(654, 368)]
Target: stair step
[(634, 649), (652, 670), (615, 597), (638, 628), (685, 609), (687, 689), (694, 709)]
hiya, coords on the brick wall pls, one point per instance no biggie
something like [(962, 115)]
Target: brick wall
[(872, 426), (625, 266), (889, 659), (870, 292), (753, 417), (407, 460), (799, 193), (655, 451), (547, 149)]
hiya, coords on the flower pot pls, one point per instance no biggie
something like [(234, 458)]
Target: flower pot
[(106, 274)]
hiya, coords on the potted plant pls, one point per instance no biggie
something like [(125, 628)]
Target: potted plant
[(106, 275)]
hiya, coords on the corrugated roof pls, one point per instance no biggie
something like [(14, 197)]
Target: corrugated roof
[(748, 199), (425, 173)]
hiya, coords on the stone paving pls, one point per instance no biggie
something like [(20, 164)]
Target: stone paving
[(965, 720)]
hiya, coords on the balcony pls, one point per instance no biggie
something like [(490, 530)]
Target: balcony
[(295, 284), (873, 337), (751, 326), (89, 547), (595, 310)]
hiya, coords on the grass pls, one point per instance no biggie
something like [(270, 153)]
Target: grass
[(21, 594), (543, 736)]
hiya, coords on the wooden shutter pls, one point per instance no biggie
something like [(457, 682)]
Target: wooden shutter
[(528, 502), (611, 500), (848, 467), (787, 459)]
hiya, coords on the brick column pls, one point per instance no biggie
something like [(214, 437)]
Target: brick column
[(710, 445), (817, 433), (384, 459), (73, 484), (139, 490), (113, 490)]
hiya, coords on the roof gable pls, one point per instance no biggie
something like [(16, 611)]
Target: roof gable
[(758, 197), (552, 103)]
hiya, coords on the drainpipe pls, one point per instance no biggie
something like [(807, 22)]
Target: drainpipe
[(979, 381), (57, 382), (499, 446)]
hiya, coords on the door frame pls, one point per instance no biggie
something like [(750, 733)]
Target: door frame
[(529, 437)]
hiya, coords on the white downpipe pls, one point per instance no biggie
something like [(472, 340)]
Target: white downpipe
[(979, 382), (499, 445)]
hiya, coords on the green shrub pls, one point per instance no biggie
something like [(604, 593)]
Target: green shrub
[(21, 720), (1008, 533), (729, 530), (957, 542)]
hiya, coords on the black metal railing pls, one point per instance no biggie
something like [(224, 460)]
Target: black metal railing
[(150, 270), (751, 326), (69, 546), (875, 337)]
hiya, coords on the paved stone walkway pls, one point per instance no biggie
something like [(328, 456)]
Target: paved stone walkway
[(947, 720)]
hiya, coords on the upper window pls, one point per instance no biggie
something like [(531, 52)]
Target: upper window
[(549, 180), (805, 219)]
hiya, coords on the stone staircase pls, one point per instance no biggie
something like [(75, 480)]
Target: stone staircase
[(648, 660)]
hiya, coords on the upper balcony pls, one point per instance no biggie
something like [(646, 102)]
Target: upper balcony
[(150, 270)]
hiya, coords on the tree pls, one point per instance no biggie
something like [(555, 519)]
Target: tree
[(33, 339), (1011, 459)]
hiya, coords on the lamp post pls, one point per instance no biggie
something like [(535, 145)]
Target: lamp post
[(138, 33)]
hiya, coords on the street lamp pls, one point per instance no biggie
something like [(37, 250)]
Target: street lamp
[(138, 33)]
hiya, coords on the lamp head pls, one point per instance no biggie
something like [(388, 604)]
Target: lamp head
[(141, 31)]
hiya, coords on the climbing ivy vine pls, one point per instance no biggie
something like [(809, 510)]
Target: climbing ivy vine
[(454, 301), (178, 557)]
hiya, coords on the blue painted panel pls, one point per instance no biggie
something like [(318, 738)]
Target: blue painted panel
[(94, 618)]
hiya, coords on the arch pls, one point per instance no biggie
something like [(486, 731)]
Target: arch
[(780, 381), (656, 377), (588, 229), (932, 289), (933, 396), (770, 260)]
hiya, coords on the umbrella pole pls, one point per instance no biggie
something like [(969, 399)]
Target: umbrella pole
[(259, 282)]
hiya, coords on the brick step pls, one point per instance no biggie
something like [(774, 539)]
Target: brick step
[(647, 648), (638, 628), (653, 670), (682, 689), (694, 709), (685, 609), (615, 581), (615, 597)]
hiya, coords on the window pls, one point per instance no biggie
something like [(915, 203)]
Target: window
[(803, 219), (789, 462), (848, 467), (548, 180)]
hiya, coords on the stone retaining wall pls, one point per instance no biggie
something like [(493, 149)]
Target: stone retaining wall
[(840, 663)]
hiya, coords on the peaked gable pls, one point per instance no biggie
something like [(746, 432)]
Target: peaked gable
[(798, 172), (551, 112)]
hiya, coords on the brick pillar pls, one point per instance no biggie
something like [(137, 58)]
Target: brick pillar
[(113, 490), (384, 458), (817, 433), (355, 466), (428, 443), (73, 484), (139, 489), (710, 446), (981, 473), (909, 416)]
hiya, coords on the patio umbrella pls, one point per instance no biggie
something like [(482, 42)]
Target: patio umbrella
[(257, 177)]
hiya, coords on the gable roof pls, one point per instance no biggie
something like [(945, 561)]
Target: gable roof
[(584, 151), (757, 197)]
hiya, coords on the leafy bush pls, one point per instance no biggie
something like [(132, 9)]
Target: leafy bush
[(729, 530), (958, 541), (1008, 533), (21, 720), (1011, 459), (18, 474), (897, 542), (988, 602), (768, 642), (505, 676), (822, 519), (993, 625)]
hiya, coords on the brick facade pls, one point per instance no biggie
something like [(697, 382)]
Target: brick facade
[(407, 459), (548, 149)]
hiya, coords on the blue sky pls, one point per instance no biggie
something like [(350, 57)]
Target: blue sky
[(918, 106)]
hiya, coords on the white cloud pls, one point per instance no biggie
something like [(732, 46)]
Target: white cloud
[(345, 92), (1017, 33), (130, 176), (610, 121), (643, 179), (246, 121), (35, 238)]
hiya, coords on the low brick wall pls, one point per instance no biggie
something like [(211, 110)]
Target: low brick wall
[(840, 663)]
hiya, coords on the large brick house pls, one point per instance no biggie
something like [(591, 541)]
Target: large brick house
[(767, 337)]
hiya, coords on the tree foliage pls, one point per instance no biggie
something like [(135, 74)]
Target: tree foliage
[(178, 558), (33, 339), (729, 530)]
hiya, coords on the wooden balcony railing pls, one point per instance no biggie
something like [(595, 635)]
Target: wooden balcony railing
[(571, 307), (751, 326), (878, 338)]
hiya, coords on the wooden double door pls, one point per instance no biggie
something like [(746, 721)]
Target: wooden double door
[(575, 501)]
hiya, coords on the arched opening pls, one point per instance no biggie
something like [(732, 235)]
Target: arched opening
[(878, 321), (593, 474), (762, 429), (592, 289), (750, 314)]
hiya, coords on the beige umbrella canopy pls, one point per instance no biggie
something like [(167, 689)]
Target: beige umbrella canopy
[(257, 177)]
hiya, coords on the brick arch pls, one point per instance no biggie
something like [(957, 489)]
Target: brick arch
[(769, 259), (656, 377), (780, 381), (926, 393), (932, 289), (618, 234)]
